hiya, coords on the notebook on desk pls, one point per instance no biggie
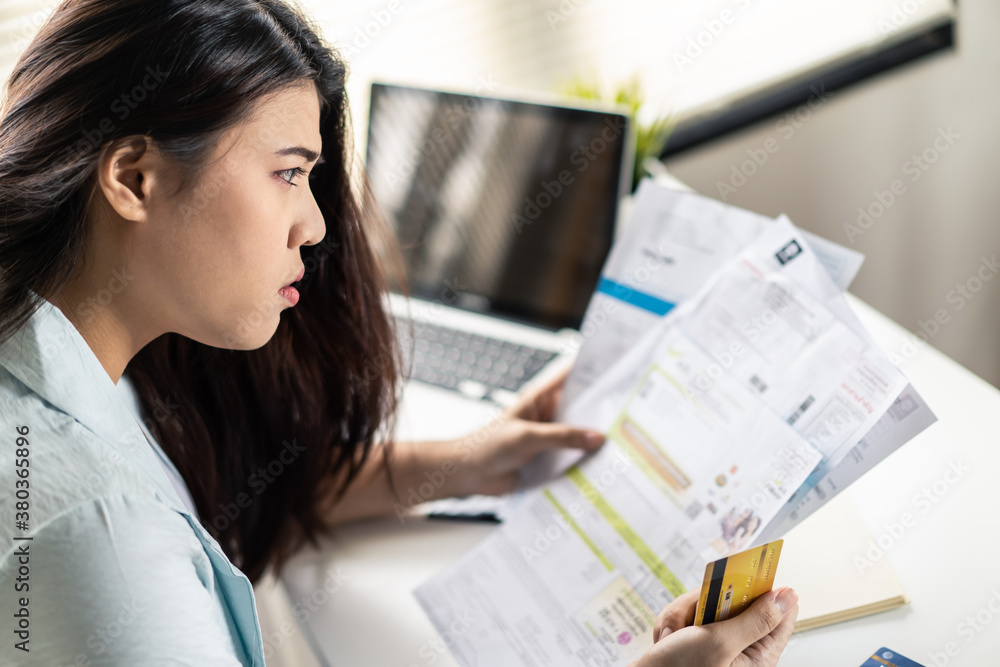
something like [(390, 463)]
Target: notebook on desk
[(830, 562)]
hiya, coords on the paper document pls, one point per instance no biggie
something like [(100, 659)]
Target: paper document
[(738, 392), (714, 417), (578, 573), (906, 417), (673, 241), (662, 218)]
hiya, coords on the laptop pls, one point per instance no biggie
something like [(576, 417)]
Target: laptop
[(505, 210)]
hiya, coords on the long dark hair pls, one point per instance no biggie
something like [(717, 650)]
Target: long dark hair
[(267, 440)]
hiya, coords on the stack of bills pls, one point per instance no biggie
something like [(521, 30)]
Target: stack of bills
[(738, 392)]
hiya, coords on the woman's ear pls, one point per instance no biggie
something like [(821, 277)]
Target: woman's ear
[(127, 171)]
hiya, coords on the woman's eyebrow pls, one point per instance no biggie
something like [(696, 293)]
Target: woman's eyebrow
[(309, 155)]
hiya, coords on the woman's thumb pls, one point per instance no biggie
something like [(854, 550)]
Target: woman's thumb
[(758, 621)]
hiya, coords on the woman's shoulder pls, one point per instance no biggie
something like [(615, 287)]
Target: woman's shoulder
[(125, 578), (128, 526), (100, 553), (53, 463)]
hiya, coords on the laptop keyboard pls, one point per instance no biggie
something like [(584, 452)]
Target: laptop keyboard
[(447, 358)]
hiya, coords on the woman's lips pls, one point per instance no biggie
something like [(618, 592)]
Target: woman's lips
[(290, 293)]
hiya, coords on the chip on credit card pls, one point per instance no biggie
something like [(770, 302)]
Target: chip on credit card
[(886, 658), (732, 583)]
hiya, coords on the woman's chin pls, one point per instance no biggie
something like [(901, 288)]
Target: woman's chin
[(245, 338), (252, 343)]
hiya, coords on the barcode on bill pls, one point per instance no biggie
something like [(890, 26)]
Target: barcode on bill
[(802, 408)]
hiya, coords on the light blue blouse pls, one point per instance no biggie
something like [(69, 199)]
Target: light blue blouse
[(109, 566)]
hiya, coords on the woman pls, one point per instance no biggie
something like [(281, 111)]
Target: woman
[(177, 199)]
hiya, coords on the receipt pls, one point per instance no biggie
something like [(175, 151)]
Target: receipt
[(635, 292), (764, 320), (672, 242)]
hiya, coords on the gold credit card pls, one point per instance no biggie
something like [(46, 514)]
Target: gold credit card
[(732, 583)]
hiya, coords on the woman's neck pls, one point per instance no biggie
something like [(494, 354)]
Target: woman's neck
[(108, 318)]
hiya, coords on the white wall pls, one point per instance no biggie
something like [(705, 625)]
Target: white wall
[(934, 235)]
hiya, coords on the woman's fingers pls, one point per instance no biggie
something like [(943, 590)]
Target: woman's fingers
[(676, 615), (763, 617), (540, 403), (766, 651), (540, 436)]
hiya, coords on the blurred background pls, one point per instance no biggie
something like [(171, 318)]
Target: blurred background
[(870, 122)]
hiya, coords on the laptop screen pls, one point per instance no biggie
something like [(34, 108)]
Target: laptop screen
[(502, 207)]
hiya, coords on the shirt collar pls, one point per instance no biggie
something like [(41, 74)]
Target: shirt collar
[(53, 359)]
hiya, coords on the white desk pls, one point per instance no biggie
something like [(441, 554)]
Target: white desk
[(947, 561)]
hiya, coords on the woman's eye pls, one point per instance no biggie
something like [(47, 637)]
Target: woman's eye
[(292, 174)]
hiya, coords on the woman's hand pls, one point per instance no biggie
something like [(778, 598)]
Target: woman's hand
[(754, 638), (486, 461), (498, 450)]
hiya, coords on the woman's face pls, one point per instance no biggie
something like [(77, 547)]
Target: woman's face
[(220, 253)]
